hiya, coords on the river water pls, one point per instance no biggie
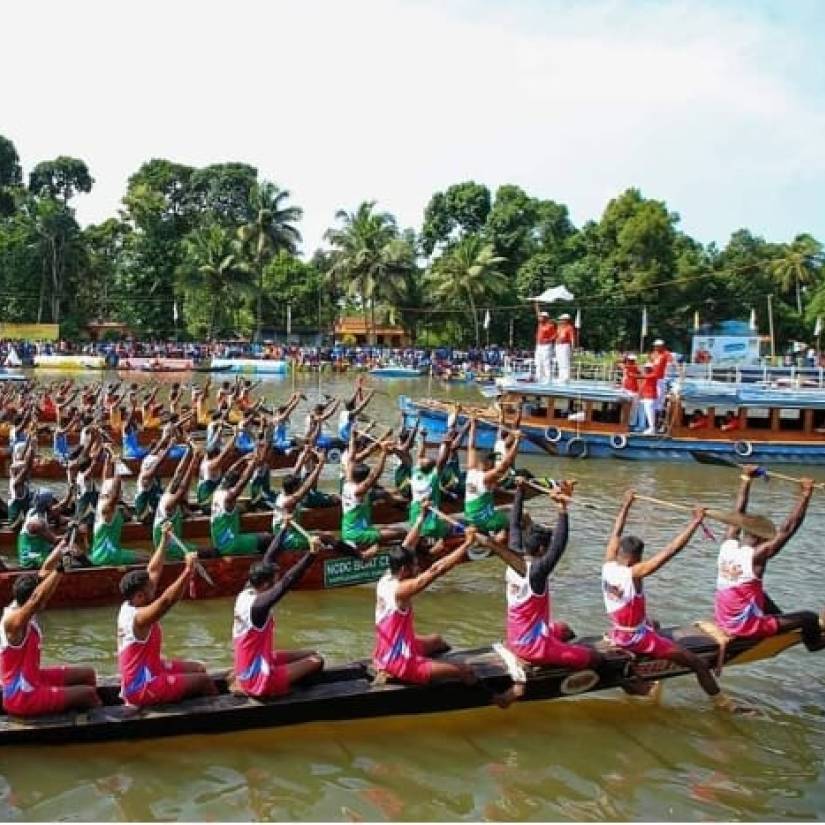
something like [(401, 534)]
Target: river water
[(607, 757)]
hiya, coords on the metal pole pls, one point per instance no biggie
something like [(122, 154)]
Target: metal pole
[(770, 328)]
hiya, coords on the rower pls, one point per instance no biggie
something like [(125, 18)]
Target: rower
[(210, 472), (146, 678), (214, 431), (482, 476), (108, 525), (531, 556), (453, 479), (173, 499), (84, 468), (356, 508), (622, 580), (259, 669), (425, 485), (281, 442), (28, 688), (225, 518), (399, 652), (304, 465), (315, 420), (402, 456), (130, 441), (36, 539), (200, 401), (742, 608), (148, 488), (20, 495), (352, 408)]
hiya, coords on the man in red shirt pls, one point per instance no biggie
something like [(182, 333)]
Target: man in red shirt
[(647, 393), (630, 384), (545, 346), (660, 359), (565, 339)]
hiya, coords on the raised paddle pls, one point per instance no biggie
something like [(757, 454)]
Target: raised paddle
[(568, 499), (474, 554), (711, 458), (756, 525), (199, 568)]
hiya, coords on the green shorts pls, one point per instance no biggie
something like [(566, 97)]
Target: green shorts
[(145, 504), (362, 538), (489, 522), (114, 558), (244, 544), (434, 528), (294, 541)]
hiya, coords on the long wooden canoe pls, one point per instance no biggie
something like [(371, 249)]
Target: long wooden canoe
[(98, 586), (352, 692), (50, 469), (316, 518)]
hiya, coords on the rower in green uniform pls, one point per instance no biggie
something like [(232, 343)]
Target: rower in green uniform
[(210, 472), (482, 476), (170, 506), (20, 494), (106, 539), (357, 528), (36, 539), (425, 485), (453, 477), (225, 519), (288, 508)]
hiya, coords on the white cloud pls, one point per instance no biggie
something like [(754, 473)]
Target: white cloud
[(392, 100)]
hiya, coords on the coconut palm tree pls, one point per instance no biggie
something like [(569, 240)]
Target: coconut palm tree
[(800, 263), (270, 231), (213, 265), (468, 273), (368, 256)]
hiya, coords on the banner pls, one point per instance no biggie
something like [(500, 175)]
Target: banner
[(30, 332)]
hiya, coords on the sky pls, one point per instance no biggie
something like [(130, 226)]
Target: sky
[(717, 108)]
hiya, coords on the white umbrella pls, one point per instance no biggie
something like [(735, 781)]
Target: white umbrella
[(553, 294)]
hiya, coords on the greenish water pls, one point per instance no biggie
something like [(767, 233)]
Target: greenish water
[(609, 757)]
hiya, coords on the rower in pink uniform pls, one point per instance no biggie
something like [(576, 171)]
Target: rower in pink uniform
[(622, 577), (146, 678), (742, 608)]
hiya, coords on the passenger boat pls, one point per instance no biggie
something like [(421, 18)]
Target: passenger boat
[(397, 372), (327, 519), (266, 366), (593, 419), (155, 365), (353, 691)]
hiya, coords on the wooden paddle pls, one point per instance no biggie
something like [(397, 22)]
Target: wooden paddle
[(568, 499), (199, 568), (721, 461), (472, 553), (756, 525)]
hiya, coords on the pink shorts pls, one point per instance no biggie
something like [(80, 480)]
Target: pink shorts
[(646, 642), (758, 627), (274, 683), (169, 686), (559, 654), (417, 670), (49, 696)]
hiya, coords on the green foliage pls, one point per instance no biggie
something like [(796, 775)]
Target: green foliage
[(223, 246)]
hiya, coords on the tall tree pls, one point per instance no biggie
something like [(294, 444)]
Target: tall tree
[(11, 176), (212, 268), (799, 264), (270, 230), (368, 257), (471, 272), (449, 216), (60, 179)]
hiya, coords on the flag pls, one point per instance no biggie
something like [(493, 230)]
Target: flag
[(696, 319), (289, 319), (644, 322), (752, 323), (175, 311), (487, 319), (578, 323), (818, 327)]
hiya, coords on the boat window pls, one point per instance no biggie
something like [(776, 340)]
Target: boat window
[(790, 419), (606, 412), (759, 418)]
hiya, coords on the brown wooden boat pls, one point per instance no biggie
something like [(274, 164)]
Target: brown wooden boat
[(50, 469), (326, 519), (97, 586)]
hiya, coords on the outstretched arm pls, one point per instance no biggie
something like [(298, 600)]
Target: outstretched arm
[(542, 568), (500, 470), (769, 549), (409, 587), (146, 616), (749, 472), (646, 568), (618, 526)]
